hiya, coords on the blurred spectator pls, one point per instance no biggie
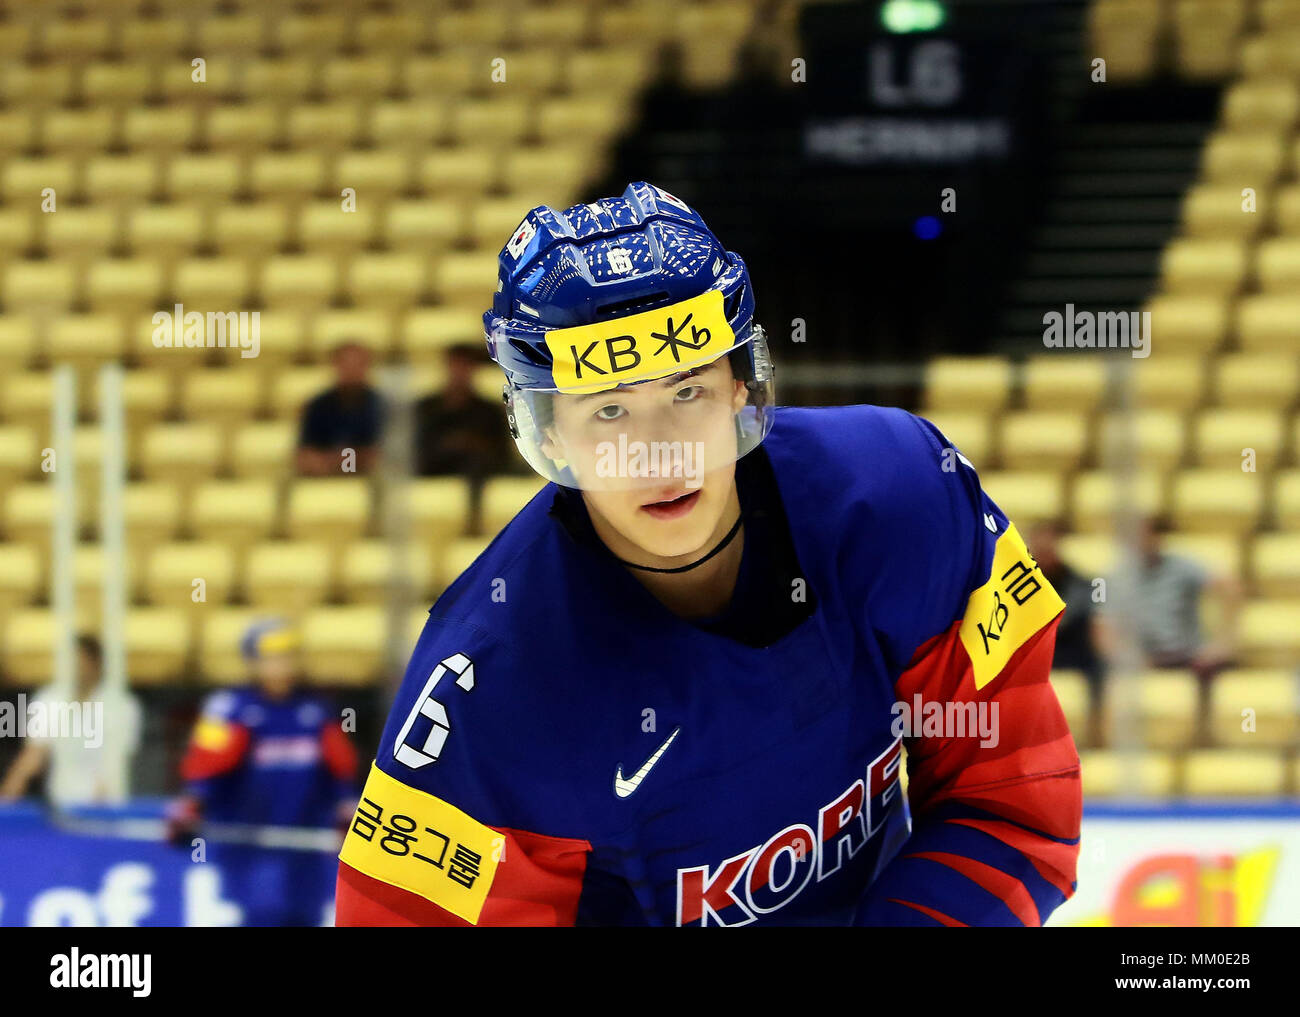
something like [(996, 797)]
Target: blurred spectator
[(86, 767), (457, 431), (1079, 636), (1168, 615), (347, 416)]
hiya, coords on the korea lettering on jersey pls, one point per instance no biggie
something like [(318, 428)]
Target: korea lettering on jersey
[(769, 876)]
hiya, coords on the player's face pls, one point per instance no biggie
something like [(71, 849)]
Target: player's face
[(276, 673), (655, 460)]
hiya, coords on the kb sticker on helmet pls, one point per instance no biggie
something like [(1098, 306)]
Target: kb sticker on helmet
[(640, 347)]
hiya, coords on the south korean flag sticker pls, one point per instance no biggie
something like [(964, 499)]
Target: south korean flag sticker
[(519, 241), (672, 199)]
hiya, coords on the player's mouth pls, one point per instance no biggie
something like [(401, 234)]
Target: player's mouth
[(673, 508)]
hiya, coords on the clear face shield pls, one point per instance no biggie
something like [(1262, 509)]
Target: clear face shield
[(667, 431)]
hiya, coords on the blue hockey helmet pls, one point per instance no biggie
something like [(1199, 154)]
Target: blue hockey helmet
[(609, 296)]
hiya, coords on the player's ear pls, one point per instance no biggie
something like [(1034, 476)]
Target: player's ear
[(551, 444), (739, 395)]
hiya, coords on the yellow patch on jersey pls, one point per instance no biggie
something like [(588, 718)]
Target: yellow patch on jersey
[(409, 838), (640, 347), (1015, 602), (211, 734)]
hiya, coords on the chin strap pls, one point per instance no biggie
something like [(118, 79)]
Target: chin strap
[(731, 535)]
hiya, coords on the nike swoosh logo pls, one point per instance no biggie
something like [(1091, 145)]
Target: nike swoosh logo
[(622, 787)]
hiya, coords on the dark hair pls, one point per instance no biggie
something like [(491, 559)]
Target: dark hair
[(88, 644)]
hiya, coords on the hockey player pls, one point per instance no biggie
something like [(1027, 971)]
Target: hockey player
[(676, 689), (271, 754)]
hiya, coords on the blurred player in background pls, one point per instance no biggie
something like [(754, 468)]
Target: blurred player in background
[(272, 754), (78, 773), (667, 693)]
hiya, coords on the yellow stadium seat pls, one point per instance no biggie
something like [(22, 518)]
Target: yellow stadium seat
[(181, 453), (396, 32), (1222, 437), (27, 398), (1271, 54), (86, 340), (1278, 264), (21, 576), (1217, 499), (631, 25), (1233, 773), (582, 118), (332, 125), (18, 230), (1270, 632), (425, 224), (1275, 564), (1205, 32), (438, 507), (313, 32), (172, 573), (503, 497), (967, 383), (292, 389), (463, 170), (381, 173), (1256, 708), (221, 78), (152, 38), (1213, 267), (480, 25), (244, 128), (159, 129), (502, 116), (1219, 210), (122, 179), (264, 450), (299, 280), (219, 655), (1167, 708), (1157, 438), (18, 343), (147, 396), (1269, 323), (554, 26), (404, 124), (1184, 324), (1026, 495), (1090, 554), (167, 230), (368, 568), (77, 130), (224, 396), (551, 174), (332, 509), (281, 77), (455, 556), (122, 285), (344, 645), (152, 512), (226, 32), (371, 327), (970, 432), (1109, 774), (221, 283), (288, 576), (1257, 380), (468, 278), (253, 228), (1218, 553), (91, 230), (117, 83), (1042, 439), (287, 175), (238, 512), (20, 455), (1071, 689), (1286, 209), (528, 71), (493, 220), (208, 176), (612, 70), (1261, 103), (29, 636), (1244, 158), (1064, 383), (324, 226), (34, 85), (426, 332), (390, 279), (450, 73), (44, 285), (1093, 498), (710, 34)]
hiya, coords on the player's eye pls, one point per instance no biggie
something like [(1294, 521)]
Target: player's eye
[(690, 393), (612, 411)]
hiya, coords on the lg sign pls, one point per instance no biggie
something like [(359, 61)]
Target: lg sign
[(930, 75)]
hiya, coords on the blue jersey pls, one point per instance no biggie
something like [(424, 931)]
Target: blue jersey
[(565, 750), (269, 762)]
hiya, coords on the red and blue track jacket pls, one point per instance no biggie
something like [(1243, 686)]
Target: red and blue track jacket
[(564, 750)]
